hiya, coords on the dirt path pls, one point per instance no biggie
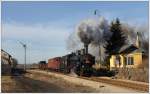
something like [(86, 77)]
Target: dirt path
[(39, 84), (25, 84), (58, 82), (44, 83)]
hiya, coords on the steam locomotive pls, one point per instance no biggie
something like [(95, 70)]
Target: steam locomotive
[(79, 62)]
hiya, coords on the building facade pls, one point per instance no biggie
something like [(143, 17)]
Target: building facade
[(131, 60), (129, 56)]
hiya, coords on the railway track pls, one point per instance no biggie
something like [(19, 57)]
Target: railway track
[(123, 83), (140, 86)]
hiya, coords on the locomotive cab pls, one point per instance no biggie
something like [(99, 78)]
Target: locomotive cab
[(84, 64)]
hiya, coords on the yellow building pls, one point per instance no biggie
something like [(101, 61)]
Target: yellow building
[(126, 60), (129, 56)]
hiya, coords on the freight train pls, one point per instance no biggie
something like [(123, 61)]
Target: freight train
[(79, 62)]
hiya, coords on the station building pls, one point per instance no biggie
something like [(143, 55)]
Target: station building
[(129, 56)]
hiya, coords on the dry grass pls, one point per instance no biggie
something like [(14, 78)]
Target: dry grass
[(134, 74), (7, 83), (61, 83)]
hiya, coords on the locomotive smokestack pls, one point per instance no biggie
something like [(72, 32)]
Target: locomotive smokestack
[(86, 48)]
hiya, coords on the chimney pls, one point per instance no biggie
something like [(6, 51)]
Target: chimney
[(137, 40), (86, 48)]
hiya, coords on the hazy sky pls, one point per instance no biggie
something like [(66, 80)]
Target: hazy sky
[(45, 26)]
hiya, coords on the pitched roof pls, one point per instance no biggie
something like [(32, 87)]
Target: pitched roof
[(128, 49)]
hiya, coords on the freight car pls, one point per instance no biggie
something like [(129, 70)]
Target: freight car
[(54, 64), (42, 65)]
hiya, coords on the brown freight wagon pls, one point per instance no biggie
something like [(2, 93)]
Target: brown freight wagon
[(54, 63), (43, 65)]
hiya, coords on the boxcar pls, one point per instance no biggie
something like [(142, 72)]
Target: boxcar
[(42, 65), (54, 63)]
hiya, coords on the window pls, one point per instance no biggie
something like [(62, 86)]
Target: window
[(130, 61)]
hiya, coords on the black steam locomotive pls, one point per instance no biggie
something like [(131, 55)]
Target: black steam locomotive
[(79, 62)]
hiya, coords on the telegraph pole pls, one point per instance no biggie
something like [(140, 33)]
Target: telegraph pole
[(25, 47)]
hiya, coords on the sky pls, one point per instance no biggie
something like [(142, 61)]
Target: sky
[(45, 26)]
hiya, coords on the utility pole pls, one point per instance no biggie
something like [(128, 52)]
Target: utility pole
[(95, 13), (25, 47)]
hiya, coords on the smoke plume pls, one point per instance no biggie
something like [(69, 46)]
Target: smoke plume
[(92, 32)]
